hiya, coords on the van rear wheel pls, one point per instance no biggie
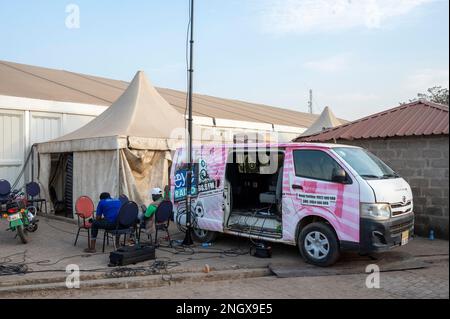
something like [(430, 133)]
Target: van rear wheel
[(318, 244), (203, 236)]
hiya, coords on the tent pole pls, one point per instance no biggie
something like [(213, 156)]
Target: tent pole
[(32, 163), (118, 172), (188, 239)]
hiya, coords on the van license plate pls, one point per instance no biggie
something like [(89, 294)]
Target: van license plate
[(13, 218), (405, 237)]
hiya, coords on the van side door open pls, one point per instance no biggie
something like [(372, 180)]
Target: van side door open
[(318, 187), (254, 183)]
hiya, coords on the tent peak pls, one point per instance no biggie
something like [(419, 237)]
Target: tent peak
[(141, 74), (326, 120), (139, 112)]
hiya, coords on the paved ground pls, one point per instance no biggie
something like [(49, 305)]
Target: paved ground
[(53, 246), (51, 249), (421, 283)]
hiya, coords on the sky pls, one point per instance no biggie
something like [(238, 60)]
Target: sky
[(358, 56)]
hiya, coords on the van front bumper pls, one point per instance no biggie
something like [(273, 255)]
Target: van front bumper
[(378, 235)]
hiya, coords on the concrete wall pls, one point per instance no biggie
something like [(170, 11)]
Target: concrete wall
[(424, 163)]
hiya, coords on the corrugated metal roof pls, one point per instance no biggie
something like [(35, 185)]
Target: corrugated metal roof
[(58, 85), (413, 119)]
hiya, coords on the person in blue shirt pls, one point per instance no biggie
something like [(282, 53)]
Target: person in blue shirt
[(106, 218)]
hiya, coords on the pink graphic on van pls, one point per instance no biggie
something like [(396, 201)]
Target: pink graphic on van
[(303, 199), (342, 213)]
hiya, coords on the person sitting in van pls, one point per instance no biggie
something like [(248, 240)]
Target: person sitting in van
[(106, 218), (147, 217)]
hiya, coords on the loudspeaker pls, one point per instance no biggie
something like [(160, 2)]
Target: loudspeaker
[(131, 255)]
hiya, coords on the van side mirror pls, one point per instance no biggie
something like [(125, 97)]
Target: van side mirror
[(339, 176)]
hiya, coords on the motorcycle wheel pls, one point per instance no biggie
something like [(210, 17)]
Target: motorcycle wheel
[(32, 228), (21, 232)]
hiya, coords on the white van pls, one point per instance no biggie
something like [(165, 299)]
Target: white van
[(324, 198)]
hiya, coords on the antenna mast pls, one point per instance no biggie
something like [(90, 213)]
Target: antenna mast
[(188, 239), (310, 102)]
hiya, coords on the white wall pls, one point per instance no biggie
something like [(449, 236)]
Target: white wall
[(11, 143), (24, 122), (45, 127), (73, 122)]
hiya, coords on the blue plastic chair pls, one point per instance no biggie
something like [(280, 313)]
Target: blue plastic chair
[(162, 219), (33, 193), (5, 190), (126, 223), (123, 199)]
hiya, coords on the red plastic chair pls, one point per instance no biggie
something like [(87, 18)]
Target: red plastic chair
[(84, 209)]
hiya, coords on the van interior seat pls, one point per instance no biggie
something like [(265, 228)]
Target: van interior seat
[(273, 196)]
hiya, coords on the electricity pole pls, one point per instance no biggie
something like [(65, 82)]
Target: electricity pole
[(188, 239), (310, 102)]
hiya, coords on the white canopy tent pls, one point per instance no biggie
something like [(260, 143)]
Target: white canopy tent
[(125, 150), (326, 120)]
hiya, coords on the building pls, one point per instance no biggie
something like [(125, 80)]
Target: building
[(414, 140), (39, 104)]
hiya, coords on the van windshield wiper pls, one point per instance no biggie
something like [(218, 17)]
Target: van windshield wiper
[(371, 176), (394, 175)]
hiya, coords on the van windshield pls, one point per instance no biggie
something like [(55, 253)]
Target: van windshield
[(367, 165)]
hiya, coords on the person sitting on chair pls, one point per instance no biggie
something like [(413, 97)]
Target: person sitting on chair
[(106, 218), (148, 216)]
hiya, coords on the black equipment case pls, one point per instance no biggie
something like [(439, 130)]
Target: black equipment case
[(131, 255)]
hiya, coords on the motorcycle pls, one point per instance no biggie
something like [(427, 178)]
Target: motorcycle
[(22, 219)]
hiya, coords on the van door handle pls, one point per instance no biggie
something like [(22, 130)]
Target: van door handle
[(295, 186)]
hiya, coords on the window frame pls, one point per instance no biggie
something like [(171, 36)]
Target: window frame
[(349, 179)]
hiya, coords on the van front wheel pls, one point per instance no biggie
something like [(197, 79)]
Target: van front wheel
[(319, 244), (203, 236)]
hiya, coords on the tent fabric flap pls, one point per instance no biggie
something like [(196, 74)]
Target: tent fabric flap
[(94, 173), (42, 176), (142, 170), (155, 144), (83, 145)]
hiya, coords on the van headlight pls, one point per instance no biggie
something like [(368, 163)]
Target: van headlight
[(376, 211)]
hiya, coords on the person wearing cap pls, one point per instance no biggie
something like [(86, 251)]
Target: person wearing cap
[(148, 216), (106, 218), (157, 197)]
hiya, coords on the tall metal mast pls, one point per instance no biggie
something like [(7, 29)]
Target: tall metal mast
[(188, 239), (310, 102)]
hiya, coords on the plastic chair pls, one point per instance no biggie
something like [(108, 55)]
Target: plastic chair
[(123, 199), (162, 219), (84, 209), (34, 190), (5, 190), (126, 223)]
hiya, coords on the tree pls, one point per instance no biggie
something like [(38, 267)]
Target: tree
[(436, 94)]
